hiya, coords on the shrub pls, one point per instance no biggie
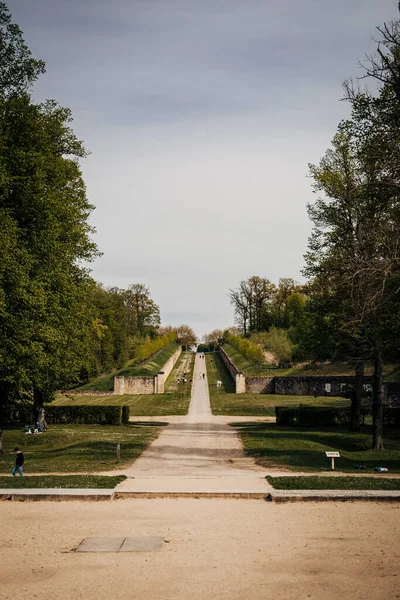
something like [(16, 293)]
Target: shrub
[(277, 341), (149, 348), (87, 415), (316, 416), (253, 353)]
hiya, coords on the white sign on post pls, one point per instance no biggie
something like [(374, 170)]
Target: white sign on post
[(332, 456)]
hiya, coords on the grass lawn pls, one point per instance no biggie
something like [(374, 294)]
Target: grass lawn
[(61, 481), (224, 401), (391, 372), (334, 483), (175, 401), (151, 368), (76, 448), (300, 449)]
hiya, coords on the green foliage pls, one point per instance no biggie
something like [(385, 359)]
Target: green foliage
[(150, 347), (87, 415), (252, 352), (277, 341), (317, 416), (18, 70)]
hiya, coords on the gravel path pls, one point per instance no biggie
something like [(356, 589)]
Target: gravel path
[(198, 452)]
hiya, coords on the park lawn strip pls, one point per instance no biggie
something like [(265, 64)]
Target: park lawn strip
[(224, 401), (61, 481), (76, 448), (298, 449), (334, 483), (175, 401), (105, 383)]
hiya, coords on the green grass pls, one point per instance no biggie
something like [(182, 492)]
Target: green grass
[(391, 372), (224, 401), (334, 483), (175, 401), (105, 383), (300, 449), (76, 448), (61, 481)]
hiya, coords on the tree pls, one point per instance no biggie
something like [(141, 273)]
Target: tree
[(44, 321), (214, 338), (18, 69), (185, 336), (251, 304), (143, 313), (353, 250), (277, 341)]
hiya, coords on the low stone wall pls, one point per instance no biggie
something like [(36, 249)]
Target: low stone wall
[(238, 376), (134, 385), (147, 385), (317, 385)]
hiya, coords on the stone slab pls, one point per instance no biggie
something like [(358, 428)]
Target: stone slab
[(333, 495), (142, 544), (252, 484), (30, 494), (101, 544)]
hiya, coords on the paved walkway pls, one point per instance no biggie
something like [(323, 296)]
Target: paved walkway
[(196, 453)]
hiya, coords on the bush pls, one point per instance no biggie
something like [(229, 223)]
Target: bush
[(316, 416), (147, 349), (87, 415), (253, 353)]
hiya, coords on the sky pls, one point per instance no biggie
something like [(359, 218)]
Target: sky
[(201, 117)]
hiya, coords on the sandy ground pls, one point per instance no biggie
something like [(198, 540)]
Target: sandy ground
[(225, 549)]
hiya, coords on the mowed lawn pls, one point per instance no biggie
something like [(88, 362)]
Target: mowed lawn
[(299, 449), (61, 481), (224, 400), (76, 448), (175, 400)]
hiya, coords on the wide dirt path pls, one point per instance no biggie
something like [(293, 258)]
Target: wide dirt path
[(200, 452)]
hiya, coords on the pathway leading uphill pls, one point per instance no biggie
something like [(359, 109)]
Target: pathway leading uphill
[(198, 453)]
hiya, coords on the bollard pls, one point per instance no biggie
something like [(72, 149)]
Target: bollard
[(118, 452)]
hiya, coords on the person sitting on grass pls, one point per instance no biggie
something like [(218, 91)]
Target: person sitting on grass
[(19, 462)]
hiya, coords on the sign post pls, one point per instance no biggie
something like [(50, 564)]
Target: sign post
[(332, 456)]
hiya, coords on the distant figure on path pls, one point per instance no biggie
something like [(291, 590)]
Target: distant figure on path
[(19, 462), (204, 375)]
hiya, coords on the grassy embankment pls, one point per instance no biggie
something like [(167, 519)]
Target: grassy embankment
[(105, 383), (175, 400), (391, 372), (299, 449), (334, 483), (224, 401), (76, 448)]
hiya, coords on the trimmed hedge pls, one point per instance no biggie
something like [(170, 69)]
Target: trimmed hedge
[(87, 415), (326, 416)]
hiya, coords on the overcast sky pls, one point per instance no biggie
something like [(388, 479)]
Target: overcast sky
[(201, 117)]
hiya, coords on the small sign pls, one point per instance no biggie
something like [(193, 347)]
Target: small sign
[(332, 454)]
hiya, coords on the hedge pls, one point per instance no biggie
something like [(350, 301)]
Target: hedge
[(252, 352), (326, 416), (87, 415), (149, 348)]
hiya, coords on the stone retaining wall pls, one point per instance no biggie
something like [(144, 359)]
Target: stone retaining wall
[(260, 385), (238, 376), (147, 385)]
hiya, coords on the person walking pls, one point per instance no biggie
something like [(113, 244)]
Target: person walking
[(19, 462)]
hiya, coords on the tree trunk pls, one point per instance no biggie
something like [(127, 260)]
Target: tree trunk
[(355, 419), (1, 441), (377, 403)]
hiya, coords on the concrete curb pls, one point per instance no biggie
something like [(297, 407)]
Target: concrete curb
[(58, 495), (96, 495), (333, 496)]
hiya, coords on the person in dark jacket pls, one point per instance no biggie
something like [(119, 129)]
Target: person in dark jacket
[(19, 462)]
